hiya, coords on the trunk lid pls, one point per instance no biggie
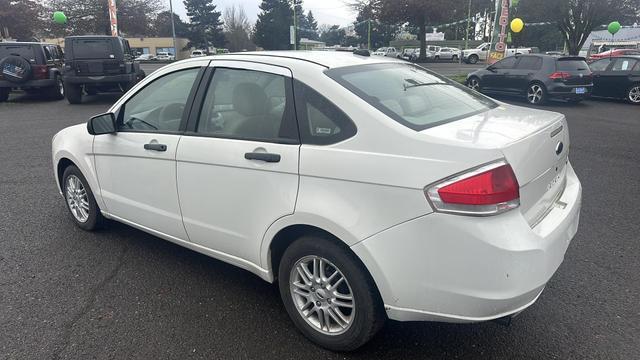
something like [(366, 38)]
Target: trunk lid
[(534, 142), (577, 69)]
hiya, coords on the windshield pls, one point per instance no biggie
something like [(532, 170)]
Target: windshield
[(93, 49), (411, 95)]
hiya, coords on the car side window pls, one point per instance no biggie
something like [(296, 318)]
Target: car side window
[(624, 64), (47, 53), (506, 63), (320, 121), (248, 105), (529, 63), (600, 65), (159, 106)]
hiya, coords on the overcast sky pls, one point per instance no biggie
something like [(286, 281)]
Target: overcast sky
[(325, 11)]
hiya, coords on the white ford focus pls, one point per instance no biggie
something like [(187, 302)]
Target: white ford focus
[(416, 200)]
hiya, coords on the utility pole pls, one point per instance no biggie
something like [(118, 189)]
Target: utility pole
[(466, 39), (173, 32), (369, 36), (295, 27)]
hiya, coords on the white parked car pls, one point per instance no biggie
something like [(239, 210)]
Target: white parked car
[(417, 200), (145, 57), (198, 53), (472, 56), (386, 51), (447, 53), (165, 56)]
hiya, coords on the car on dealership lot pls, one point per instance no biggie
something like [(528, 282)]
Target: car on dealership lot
[(386, 51), (31, 66), (617, 77), (408, 54), (271, 161), (535, 77), (472, 56), (98, 63), (198, 53), (165, 56), (614, 53), (145, 57), (447, 53)]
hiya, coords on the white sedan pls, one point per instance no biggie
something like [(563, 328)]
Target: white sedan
[(417, 200)]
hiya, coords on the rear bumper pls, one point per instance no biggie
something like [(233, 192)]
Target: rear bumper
[(569, 91), (101, 79), (451, 268), (28, 84)]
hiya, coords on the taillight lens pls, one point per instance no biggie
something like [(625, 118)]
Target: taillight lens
[(40, 71), (560, 75), (488, 190)]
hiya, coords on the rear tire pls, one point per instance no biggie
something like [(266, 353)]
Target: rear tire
[(73, 93), (536, 94), (56, 92), (80, 200), (633, 94), (454, 58), (332, 321)]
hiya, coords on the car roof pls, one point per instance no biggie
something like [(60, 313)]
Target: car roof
[(328, 59), (24, 43), (93, 37)]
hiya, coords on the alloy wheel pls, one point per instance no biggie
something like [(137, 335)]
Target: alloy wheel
[(77, 198), (60, 86), (634, 94), (535, 94), (474, 84), (322, 295)]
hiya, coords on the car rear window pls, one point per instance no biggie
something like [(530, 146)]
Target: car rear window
[(571, 65), (93, 49), (26, 51), (411, 95)]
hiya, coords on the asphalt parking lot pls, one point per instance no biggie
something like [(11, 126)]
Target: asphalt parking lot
[(121, 293)]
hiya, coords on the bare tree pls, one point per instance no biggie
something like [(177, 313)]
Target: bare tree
[(237, 29)]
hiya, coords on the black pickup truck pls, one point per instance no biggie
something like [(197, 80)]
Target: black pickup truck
[(96, 63)]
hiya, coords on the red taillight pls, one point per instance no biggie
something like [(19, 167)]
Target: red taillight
[(40, 71), (488, 190), (560, 75)]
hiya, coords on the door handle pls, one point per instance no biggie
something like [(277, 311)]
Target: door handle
[(155, 147), (262, 156)]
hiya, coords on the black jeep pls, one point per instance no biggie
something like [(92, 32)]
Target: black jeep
[(97, 63), (31, 66)]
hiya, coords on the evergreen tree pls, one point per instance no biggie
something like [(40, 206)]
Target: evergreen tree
[(272, 27), (162, 25), (205, 28)]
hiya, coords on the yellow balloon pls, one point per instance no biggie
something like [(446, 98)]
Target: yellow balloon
[(517, 25)]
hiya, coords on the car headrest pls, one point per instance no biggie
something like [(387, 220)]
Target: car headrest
[(249, 99)]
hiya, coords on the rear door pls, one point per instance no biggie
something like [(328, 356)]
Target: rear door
[(237, 165), (523, 73), (619, 77)]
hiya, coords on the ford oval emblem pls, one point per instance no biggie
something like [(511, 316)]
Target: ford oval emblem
[(559, 148)]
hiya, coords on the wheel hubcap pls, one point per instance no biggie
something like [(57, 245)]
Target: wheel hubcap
[(534, 95), (634, 94), (322, 295), (77, 198)]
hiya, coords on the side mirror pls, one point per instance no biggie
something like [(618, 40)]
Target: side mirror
[(102, 124), (491, 68)]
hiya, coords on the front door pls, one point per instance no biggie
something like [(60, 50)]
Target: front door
[(495, 79), (136, 167), (238, 162)]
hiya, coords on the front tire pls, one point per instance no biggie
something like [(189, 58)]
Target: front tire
[(474, 84), (633, 94), (56, 92), (328, 294), (473, 59), (536, 94), (73, 93), (80, 200), (4, 94)]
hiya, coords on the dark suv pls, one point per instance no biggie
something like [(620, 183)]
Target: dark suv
[(31, 67), (96, 63), (536, 77)]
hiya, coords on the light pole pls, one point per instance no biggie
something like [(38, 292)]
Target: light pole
[(173, 32), (295, 27)]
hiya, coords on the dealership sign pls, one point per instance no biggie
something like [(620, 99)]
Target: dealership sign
[(500, 31)]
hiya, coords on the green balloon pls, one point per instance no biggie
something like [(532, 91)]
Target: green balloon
[(614, 27), (59, 17)]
